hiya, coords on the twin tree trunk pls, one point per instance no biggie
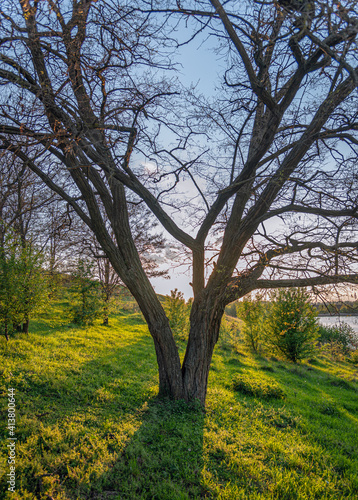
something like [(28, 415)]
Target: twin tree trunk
[(189, 381)]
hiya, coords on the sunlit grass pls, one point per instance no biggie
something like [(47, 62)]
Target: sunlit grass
[(89, 425)]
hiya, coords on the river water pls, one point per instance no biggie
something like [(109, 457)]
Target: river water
[(335, 320)]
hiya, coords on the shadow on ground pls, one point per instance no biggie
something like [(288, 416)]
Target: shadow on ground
[(98, 431), (163, 460)]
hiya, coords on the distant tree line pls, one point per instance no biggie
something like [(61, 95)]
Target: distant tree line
[(334, 308), (337, 308)]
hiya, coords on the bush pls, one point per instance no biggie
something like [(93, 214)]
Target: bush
[(252, 312), (292, 324), (229, 334), (230, 310), (341, 335), (246, 384), (86, 293), (354, 357), (178, 312), (23, 288)]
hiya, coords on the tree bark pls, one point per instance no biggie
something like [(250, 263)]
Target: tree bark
[(170, 378), (25, 326), (105, 318), (6, 331), (204, 333)]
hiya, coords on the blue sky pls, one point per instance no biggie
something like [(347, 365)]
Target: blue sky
[(199, 66)]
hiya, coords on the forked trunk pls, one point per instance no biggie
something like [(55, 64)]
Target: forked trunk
[(191, 381)]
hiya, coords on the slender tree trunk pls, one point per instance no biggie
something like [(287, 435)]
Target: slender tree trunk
[(25, 326), (105, 311), (105, 316), (106, 297), (106, 291), (6, 331), (83, 305)]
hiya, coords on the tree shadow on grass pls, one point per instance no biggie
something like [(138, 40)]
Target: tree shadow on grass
[(99, 431), (163, 460)]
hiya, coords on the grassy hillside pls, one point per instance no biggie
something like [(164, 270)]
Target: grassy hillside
[(89, 425)]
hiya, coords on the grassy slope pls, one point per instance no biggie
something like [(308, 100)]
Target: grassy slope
[(88, 424)]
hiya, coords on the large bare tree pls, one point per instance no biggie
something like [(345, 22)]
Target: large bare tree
[(262, 179)]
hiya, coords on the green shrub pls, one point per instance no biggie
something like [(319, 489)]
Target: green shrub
[(292, 324), (230, 310), (23, 287), (343, 335), (354, 357), (86, 293), (252, 312), (247, 384), (178, 312), (229, 334)]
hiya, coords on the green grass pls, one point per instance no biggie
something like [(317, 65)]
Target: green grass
[(89, 425)]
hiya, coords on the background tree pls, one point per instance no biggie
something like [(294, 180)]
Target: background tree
[(27, 211), (86, 306), (24, 201), (252, 311), (23, 288), (61, 240), (271, 162), (292, 324), (33, 286), (178, 312), (150, 244), (10, 312)]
